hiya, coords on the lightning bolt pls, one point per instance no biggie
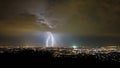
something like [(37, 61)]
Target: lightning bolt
[(50, 38)]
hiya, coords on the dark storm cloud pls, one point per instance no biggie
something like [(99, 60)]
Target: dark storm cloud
[(16, 16), (21, 23), (106, 16), (92, 17), (82, 17)]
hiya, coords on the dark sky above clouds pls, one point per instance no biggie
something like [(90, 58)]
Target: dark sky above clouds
[(81, 17)]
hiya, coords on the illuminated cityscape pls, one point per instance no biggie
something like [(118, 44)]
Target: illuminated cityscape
[(101, 54)]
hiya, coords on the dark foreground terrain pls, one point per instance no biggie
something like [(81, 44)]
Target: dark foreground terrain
[(29, 56)]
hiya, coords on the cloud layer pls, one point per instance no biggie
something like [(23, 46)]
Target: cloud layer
[(82, 17)]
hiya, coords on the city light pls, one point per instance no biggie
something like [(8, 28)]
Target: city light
[(74, 46)]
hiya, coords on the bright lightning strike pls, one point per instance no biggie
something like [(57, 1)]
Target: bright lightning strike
[(50, 40)]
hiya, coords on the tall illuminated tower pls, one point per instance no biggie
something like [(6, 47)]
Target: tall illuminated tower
[(50, 40)]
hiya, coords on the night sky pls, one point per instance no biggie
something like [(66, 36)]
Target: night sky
[(78, 17)]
